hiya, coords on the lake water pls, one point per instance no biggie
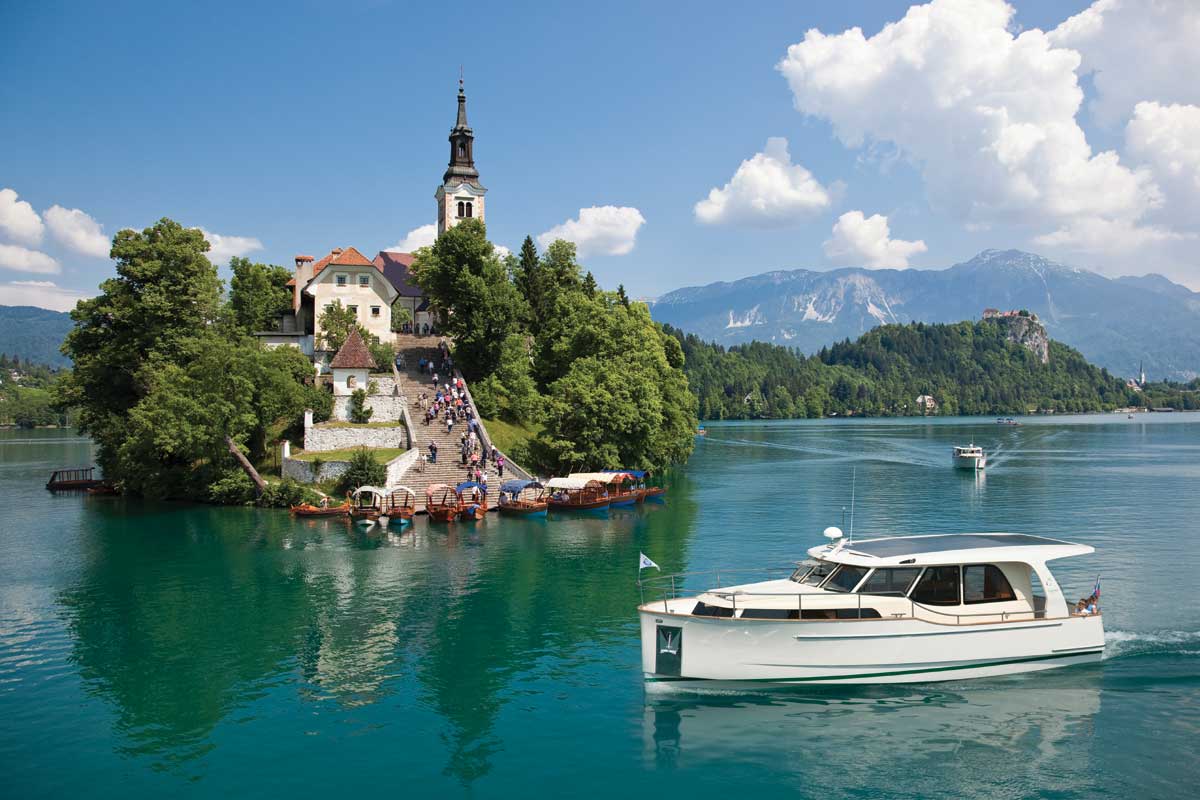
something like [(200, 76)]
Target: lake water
[(190, 651)]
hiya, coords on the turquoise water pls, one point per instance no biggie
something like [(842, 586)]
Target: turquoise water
[(190, 651)]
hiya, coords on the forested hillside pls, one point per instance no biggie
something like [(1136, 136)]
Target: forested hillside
[(35, 334), (968, 368)]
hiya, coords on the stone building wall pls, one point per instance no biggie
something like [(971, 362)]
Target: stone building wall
[(302, 471), (321, 438)]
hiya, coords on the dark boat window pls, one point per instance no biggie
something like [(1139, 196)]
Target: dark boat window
[(818, 573), (985, 583), (890, 580), (845, 579), (705, 610), (771, 613), (839, 613), (937, 587)]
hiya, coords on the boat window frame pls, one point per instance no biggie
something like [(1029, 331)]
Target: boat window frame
[(825, 585), (962, 580), (820, 563), (919, 570), (921, 577)]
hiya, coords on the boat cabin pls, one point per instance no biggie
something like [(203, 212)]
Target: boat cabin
[(968, 451), (941, 578)]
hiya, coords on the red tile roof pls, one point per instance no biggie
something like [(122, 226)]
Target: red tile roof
[(351, 258), (304, 258), (353, 354)]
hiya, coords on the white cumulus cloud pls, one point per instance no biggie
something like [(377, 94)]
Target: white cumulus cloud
[(223, 248), (1136, 50), (423, 236), (77, 231), (501, 251), (18, 221), (599, 230), (43, 294), (1166, 138), (987, 116), (22, 259), (860, 241), (767, 190)]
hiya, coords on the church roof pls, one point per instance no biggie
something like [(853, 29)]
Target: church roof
[(395, 267), (354, 353)]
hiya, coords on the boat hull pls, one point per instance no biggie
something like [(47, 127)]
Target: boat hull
[(655, 494), (686, 652), (443, 513), (525, 510), (592, 505), (473, 513), (969, 462), (317, 511)]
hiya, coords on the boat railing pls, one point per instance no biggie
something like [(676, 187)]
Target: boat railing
[(665, 588)]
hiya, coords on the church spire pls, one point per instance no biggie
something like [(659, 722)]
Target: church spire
[(462, 145), (462, 106)]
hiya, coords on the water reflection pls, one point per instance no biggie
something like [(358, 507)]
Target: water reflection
[(916, 738)]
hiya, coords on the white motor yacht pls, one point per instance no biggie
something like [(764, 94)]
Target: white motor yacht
[(968, 457), (889, 610)]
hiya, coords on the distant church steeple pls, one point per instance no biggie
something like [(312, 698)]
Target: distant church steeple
[(461, 194)]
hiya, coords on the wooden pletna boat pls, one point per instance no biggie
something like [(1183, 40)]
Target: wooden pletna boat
[(472, 500), (367, 503), (309, 510), (621, 485), (401, 504), (523, 498), (75, 479), (640, 485), (441, 502), (577, 494)]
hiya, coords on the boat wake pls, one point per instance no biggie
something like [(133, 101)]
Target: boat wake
[(1128, 644)]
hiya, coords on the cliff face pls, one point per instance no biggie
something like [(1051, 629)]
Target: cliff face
[(1029, 333)]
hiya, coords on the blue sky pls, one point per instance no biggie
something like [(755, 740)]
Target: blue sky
[(299, 127)]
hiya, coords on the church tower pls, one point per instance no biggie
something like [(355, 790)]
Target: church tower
[(461, 194)]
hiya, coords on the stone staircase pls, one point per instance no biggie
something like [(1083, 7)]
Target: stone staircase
[(449, 468)]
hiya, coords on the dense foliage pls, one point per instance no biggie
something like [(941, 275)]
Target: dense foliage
[(968, 368), (363, 470), (337, 321), (546, 349), (258, 294), (25, 398), (165, 378)]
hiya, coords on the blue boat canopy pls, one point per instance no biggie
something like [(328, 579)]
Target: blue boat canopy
[(470, 485), (637, 473), (518, 486)]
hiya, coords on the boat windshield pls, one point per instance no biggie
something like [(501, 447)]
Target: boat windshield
[(846, 578), (814, 576)]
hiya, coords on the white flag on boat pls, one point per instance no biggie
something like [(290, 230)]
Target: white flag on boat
[(645, 562)]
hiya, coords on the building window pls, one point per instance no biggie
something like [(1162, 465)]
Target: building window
[(352, 309), (462, 150), (341, 280), (374, 311), (468, 209), (461, 209), (364, 280), (351, 381)]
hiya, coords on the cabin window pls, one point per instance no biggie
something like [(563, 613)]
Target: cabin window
[(771, 613), (705, 610), (845, 579), (839, 613), (985, 583), (817, 574), (890, 581), (374, 311), (937, 587), (364, 280)]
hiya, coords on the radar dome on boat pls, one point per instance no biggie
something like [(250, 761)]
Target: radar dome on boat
[(832, 532)]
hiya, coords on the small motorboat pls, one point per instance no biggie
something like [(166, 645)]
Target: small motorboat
[(523, 498), (577, 494), (900, 609), (969, 456), (441, 502), (472, 501), (309, 510)]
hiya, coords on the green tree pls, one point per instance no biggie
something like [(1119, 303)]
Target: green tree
[(258, 294), (164, 294), (336, 322), (359, 413), (364, 470)]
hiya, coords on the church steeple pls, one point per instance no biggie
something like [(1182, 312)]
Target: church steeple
[(462, 145), (461, 194)]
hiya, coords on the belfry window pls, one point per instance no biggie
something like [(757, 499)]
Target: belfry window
[(461, 209), (468, 209), (462, 150)]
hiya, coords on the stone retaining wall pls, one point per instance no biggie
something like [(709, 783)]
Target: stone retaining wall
[(385, 407), (302, 471), (400, 465), (319, 438)]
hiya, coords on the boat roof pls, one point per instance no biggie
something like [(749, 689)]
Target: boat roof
[(637, 473), (948, 548), (375, 490), (462, 487), (518, 485), (397, 489), (601, 477), (573, 482)]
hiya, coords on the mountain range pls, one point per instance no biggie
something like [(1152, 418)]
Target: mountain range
[(34, 333), (1117, 323)]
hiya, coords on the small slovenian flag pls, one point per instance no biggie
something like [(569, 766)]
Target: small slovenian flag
[(1095, 594), (645, 562)]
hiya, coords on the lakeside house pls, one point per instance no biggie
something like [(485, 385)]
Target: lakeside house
[(378, 288), (926, 404)]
